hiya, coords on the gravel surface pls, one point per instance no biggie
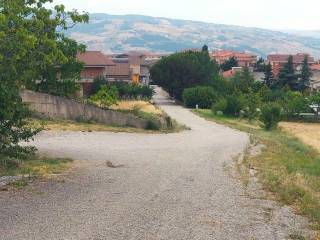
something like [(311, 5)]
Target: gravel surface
[(135, 186)]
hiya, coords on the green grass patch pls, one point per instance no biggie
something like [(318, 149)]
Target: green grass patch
[(286, 166), (34, 166)]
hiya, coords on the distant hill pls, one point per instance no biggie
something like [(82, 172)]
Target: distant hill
[(111, 33), (306, 33)]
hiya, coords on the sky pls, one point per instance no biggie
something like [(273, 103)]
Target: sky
[(271, 14)]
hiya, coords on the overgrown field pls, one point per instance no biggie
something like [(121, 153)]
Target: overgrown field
[(287, 167), (309, 133)]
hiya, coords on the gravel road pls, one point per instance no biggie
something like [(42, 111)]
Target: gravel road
[(171, 186)]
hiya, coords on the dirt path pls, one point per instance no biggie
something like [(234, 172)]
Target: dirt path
[(171, 186)]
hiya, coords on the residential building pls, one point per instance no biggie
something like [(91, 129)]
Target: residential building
[(95, 64), (132, 67), (278, 60), (244, 59)]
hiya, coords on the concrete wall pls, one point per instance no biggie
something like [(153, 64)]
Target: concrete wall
[(61, 108)]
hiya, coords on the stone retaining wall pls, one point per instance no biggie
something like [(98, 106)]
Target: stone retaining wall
[(54, 107)]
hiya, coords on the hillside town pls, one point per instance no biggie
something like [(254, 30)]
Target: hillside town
[(134, 66), (133, 127)]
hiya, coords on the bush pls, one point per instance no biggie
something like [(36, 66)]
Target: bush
[(105, 97), (294, 103), (270, 115), (131, 91), (153, 124), (236, 103), (231, 105), (252, 103), (204, 97), (98, 82), (220, 106)]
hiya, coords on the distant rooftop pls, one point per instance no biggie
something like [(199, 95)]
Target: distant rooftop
[(94, 58), (297, 58)]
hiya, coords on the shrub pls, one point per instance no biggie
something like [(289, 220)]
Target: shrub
[(294, 103), (98, 82), (270, 115), (132, 91), (220, 106), (231, 105), (235, 103), (252, 103), (153, 124), (105, 97), (204, 97)]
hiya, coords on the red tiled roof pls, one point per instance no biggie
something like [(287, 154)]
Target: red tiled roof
[(94, 58), (229, 53), (298, 58), (315, 67)]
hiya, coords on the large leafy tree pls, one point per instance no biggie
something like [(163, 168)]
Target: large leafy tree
[(32, 46), (184, 70)]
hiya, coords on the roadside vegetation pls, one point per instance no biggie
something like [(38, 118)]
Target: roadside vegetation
[(32, 45), (131, 98), (89, 126), (286, 166), (34, 166)]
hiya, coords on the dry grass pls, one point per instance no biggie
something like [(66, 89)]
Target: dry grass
[(143, 106), (66, 125), (309, 133)]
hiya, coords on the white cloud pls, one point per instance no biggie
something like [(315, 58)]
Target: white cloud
[(274, 14)]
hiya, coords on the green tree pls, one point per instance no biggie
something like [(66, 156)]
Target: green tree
[(268, 75), (105, 97), (229, 64), (270, 115), (205, 48), (184, 70), (260, 66), (252, 103), (288, 75), (294, 103), (243, 81), (32, 43), (306, 74), (13, 126), (62, 79)]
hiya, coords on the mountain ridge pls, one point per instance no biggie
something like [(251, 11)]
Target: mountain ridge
[(119, 33)]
